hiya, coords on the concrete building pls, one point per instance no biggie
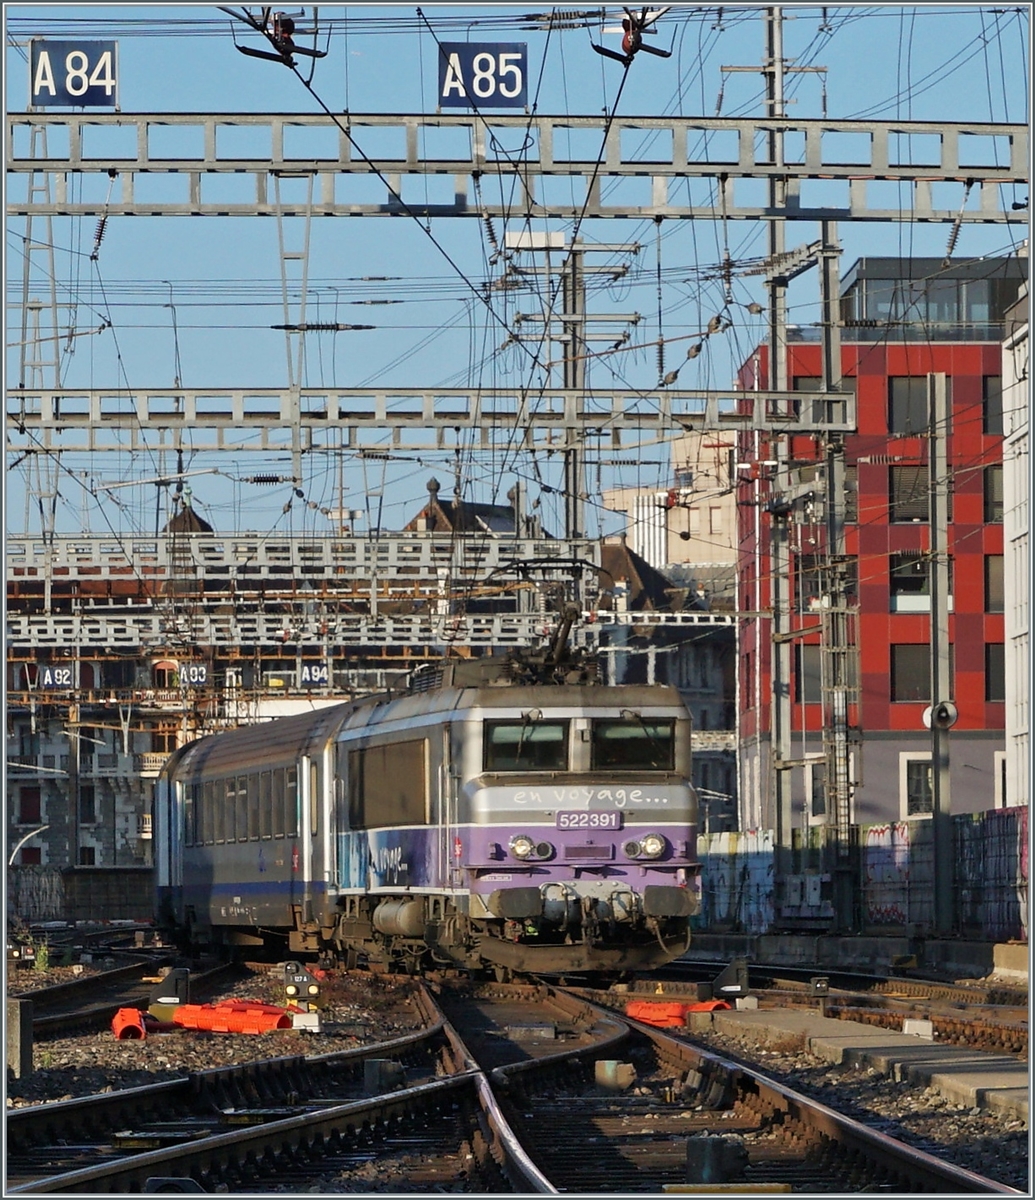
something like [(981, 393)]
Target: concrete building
[(902, 319), (1016, 552)]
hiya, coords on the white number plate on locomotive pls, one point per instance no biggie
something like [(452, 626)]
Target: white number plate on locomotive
[(589, 820)]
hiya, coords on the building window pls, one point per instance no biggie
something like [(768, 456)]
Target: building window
[(163, 739), (851, 494), (684, 479), (916, 785), (87, 856), (29, 742), (994, 493), (1002, 798), (995, 672), (908, 493), (818, 789), (87, 804), (910, 578), (715, 520), (907, 404), (693, 516), (911, 673), (995, 596), (808, 686), (992, 404), (808, 581), (29, 806), (31, 856)]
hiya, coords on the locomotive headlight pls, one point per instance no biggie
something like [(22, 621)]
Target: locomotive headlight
[(521, 846), (652, 845)]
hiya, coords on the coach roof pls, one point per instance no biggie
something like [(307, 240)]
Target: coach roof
[(267, 743)]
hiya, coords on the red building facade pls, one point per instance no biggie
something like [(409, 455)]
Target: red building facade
[(888, 541)]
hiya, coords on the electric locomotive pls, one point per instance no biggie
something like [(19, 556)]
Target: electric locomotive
[(501, 814)]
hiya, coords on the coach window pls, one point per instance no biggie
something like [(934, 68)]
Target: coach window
[(189, 792), (266, 805), (314, 800), (526, 745), (252, 784), (278, 802), (231, 809), (219, 810), (388, 785), (633, 744), (207, 812), (242, 808), (291, 803)]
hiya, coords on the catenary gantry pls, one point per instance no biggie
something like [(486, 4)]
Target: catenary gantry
[(381, 419), (665, 153)]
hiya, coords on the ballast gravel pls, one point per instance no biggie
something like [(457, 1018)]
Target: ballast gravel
[(981, 1140), (357, 1009)]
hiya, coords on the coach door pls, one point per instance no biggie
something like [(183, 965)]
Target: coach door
[(451, 843)]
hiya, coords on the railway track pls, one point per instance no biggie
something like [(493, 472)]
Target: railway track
[(985, 1019), (517, 1105)]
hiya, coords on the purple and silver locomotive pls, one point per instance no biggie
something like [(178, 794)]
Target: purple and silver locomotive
[(484, 821)]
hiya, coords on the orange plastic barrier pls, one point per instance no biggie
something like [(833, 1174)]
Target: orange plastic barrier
[(232, 1016), (668, 1014), (654, 1012), (128, 1025)]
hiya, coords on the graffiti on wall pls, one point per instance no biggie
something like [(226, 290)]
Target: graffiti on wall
[(737, 875), (885, 871), (894, 876)]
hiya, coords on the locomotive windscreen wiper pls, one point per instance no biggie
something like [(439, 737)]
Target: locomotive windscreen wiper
[(661, 755), (528, 718)]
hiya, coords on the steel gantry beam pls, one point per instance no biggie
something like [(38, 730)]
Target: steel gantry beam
[(665, 153), (379, 419)]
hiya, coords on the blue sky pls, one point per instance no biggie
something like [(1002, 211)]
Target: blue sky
[(933, 62)]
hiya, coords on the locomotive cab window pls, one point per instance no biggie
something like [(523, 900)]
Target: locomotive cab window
[(526, 745), (634, 744)]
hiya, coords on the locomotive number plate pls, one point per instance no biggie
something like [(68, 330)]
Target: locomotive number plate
[(589, 820)]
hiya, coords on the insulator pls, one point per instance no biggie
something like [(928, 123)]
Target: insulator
[(98, 237), (661, 359), (490, 232), (954, 234), (266, 479)]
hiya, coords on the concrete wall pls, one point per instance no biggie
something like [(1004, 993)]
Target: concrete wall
[(892, 864), (36, 894)]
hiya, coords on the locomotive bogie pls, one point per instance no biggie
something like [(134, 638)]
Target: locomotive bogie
[(533, 827)]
